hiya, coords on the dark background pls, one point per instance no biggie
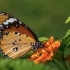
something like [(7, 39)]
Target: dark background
[(45, 18)]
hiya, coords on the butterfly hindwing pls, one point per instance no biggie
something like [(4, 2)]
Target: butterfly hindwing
[(15, 44)]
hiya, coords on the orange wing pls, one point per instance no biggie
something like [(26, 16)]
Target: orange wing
[(15, 44), (10, 23)]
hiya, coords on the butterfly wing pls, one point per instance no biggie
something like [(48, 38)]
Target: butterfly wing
[(15, 37), (15, 44), (10, 23)]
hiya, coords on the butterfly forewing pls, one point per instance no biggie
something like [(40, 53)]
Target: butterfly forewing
[(10, 23), (3, 18), (16, 38)]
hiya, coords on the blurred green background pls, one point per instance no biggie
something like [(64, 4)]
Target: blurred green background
[(45, 18)]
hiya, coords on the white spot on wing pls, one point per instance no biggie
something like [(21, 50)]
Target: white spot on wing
[(20, 22), (0, 14), (6, 26), (16, 25), (1, 26), (6, 23), (25, 26), (18, 34), (11, 20), (25, 35), (7, 14)]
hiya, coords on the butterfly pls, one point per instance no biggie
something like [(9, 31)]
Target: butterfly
[(16, 39)]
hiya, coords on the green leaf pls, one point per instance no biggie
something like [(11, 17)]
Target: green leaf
[(65, 42), (68, 33), (68, 20), (43, 39)]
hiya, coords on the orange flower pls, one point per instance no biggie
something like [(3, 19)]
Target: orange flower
[(43, 51), (51, 53), (57, 43), (51, 39), (49, 48), (47, 52), (47, 43), (34, 56)]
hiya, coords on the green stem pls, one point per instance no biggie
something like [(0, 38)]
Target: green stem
[(57, 64), (62, 60), (66, 67)]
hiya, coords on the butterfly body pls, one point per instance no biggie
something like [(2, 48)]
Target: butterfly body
[(16, 39)]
